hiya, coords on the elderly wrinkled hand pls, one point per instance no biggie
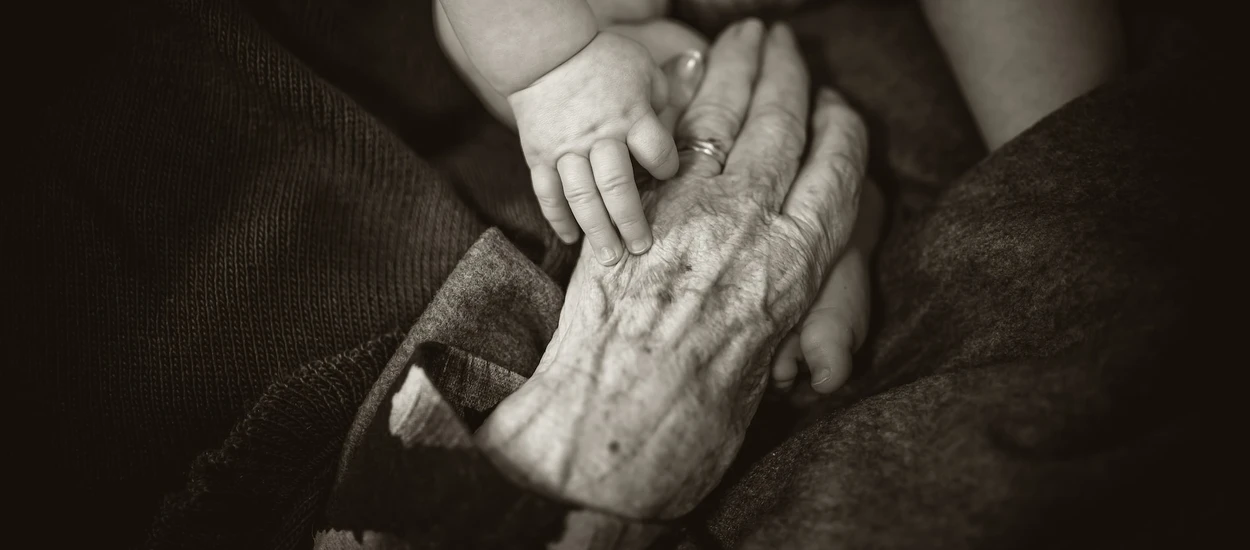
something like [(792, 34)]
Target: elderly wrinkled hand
[(645, 392)]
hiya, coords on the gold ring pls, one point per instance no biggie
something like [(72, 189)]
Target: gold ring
[(709, 147)]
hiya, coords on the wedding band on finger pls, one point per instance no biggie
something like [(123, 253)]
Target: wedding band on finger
[(709, 147)]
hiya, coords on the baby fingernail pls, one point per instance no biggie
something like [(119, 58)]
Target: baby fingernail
[(607, 255), (638, 246), (685, 73), (684, 62)]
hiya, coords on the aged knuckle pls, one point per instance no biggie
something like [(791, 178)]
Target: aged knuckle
[(713, 114), (845, 173), (764, 175), (777, 118), (810, 230), (552, 202)]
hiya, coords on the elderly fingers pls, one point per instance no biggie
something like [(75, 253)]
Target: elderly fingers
[(776, 123), (823, 202), (718, 107)]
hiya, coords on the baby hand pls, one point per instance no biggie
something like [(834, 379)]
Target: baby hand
[(834, 327), (579, 124), (832, 330)]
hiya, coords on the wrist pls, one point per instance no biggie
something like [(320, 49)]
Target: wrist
[(552, 60), (658, 356), (514, 44)]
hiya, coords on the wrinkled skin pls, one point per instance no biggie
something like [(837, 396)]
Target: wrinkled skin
[(644, 394)]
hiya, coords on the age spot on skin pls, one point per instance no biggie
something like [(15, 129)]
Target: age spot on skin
[(614, 447)]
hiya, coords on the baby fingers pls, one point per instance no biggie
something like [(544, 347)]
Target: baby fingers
[(786, 362), (614, 178), (827, 340), (652, 145), (824, 345), (551, 200), (587, 206)]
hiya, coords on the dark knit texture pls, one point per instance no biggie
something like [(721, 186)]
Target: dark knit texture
[(1046, 367), (208, 212)]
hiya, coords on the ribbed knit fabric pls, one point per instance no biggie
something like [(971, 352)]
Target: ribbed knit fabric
[(208, 213)]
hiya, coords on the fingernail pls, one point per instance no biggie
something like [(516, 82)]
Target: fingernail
[(751, 24), (638, 246), (782, 31), (607, 255), (822, 380), (685, 73), (827, 95), (568, 238)]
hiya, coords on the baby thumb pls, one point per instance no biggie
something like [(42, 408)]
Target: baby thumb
[(682, 75)]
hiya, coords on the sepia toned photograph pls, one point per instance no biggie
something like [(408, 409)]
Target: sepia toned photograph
[(626, 274)]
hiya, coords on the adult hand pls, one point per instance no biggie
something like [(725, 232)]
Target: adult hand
[(835, 326), (644, 394)]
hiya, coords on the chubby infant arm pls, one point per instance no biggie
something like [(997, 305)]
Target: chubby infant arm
[(664, 38)]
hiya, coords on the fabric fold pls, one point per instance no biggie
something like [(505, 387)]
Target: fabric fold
[(411, 476)]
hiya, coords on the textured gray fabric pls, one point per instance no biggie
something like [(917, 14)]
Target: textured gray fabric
[(497, 304), (1028, 383), (414, 431)]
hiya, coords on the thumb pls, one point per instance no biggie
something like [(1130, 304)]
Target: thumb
[(659, 90), (684, 74)]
